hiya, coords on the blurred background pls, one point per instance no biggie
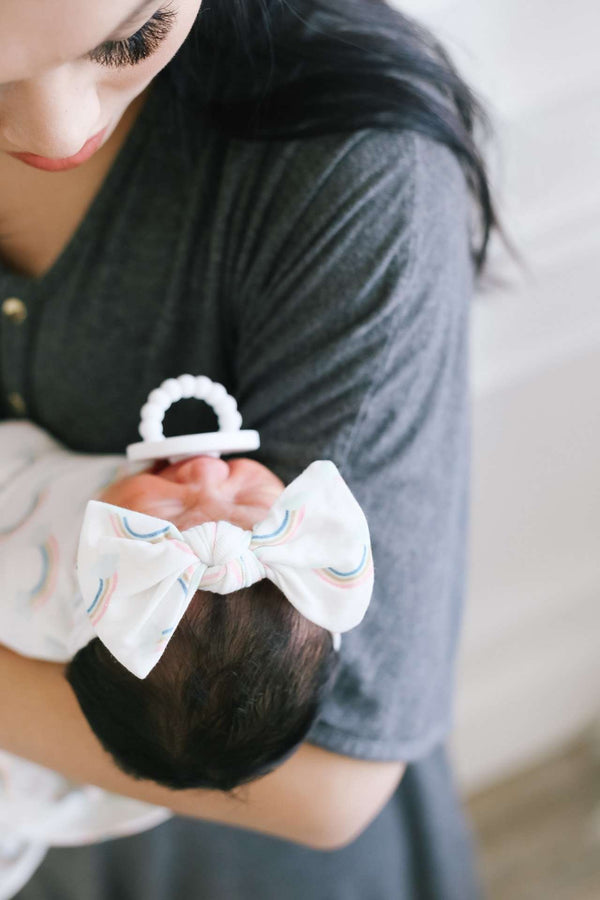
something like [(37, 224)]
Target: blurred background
[(527, 735)]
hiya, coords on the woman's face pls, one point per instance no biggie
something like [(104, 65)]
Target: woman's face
[(68, 68), (202, 489)]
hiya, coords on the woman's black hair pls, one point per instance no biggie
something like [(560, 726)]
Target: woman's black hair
[(282, 69), (234, 694)]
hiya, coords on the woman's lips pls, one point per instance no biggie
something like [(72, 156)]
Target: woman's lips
[(69, 162)]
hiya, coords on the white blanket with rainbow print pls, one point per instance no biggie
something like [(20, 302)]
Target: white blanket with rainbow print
[(44, 489)]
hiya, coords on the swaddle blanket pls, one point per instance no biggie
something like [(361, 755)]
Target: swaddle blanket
[(44, 489)]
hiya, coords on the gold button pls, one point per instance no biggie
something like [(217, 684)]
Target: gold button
[(15, 310), (17, 404)]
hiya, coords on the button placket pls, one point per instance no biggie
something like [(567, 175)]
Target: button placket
[(13, 353)]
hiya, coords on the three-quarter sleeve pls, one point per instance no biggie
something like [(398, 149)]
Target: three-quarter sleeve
[(351, 328)]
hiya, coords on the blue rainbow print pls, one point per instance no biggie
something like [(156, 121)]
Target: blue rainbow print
[(284, 532), (122, 528), (47, 581), (106, 588), (185, 579), (164, 636), (346, 580)]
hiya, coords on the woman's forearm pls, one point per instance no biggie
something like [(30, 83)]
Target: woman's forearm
[(316, 798)]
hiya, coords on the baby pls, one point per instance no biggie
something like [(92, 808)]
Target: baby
[(237, 683)]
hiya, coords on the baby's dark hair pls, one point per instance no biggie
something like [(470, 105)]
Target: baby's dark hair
[(236, 690)]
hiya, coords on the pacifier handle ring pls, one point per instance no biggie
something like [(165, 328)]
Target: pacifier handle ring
[(184, 387)]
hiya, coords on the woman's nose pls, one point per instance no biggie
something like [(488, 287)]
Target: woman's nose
[(52, 115)]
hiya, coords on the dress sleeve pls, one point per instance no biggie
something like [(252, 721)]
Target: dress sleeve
[(352, 345)]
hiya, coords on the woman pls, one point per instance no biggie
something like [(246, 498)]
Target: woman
[(274, 195)]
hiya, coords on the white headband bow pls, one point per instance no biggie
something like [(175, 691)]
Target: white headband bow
[(138, 574)]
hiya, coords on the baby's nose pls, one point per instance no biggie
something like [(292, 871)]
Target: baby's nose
[(201, 470)]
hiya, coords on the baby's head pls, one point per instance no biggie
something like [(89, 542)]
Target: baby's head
[(241, 679)]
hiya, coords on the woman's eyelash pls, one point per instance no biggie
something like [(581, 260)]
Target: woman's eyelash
[(139, 46)]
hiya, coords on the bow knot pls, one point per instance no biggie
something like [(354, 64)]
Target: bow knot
[(225, 551)]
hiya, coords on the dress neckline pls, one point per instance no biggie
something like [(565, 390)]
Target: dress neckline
[(16, 282)]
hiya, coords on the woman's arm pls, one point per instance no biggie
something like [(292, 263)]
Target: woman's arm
[(317, 798), (353, 346)]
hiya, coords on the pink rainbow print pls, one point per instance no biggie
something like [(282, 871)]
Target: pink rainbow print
[(122, 528), (347, 580), (106, 588), (209, 578)]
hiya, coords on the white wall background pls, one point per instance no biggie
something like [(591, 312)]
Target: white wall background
[(529, 673)]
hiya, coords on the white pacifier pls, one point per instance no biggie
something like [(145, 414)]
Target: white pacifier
[(228, 439)]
